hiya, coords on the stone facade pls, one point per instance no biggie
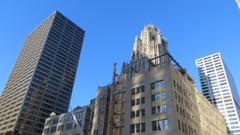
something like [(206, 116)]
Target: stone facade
[(211, 122), (101, 111), (65, 124), (153, 95)]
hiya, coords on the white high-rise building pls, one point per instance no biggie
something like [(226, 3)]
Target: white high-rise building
[(238, 2), (219, 88)]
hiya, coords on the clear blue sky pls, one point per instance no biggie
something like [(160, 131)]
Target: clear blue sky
[(194, 28)]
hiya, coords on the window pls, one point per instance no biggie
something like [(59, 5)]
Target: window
[(53, 129), (142, 100), (138, 101), (183, 127), (142, 89), (179, 125), (46, 131), (142, 112), (154, 125), (55, 121), (160, 125), (132, 114), (175, 95), (132, 128), (137, 128), (159, 109), (79, 115), (133, 91), (143, 127), (177, 108), (132, 102), (69, 126), (163, 124), (61, 127), (137, 113), (153, 110), (158, 96), (137, 90), (162, 109), (157, 85)]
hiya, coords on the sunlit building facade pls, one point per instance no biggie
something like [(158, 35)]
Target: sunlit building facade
[(76, 122), (153, 95), (42, 79), (219, 88)]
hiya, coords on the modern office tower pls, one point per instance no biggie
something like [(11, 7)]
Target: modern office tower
[(153, 95), (66, 124), (42, 79), (219, 88)]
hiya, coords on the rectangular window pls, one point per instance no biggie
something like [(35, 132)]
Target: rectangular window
[(143, 127), (132, 114), (175, 95), (179, 125), (160, 125), (143, 112), (133, 91), (132, 128), (142, 89), (132, 102), (138, 90), (154, 125), (61, 127), (177, 108), (159, 109), (69, 126), (138, 128), (138, 101), (142, 100), (157, 85), (183, 127), (53, 129), (159, 96), (154, 110), (137, 113)]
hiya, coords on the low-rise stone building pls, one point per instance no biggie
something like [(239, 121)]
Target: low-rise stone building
[(77, 122)]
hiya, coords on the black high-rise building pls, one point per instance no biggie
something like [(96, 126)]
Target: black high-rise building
[(42, 79)]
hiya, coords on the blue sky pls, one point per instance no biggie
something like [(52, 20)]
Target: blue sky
[(194, 28)]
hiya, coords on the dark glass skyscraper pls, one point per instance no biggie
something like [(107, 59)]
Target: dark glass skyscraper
[(43, 76)]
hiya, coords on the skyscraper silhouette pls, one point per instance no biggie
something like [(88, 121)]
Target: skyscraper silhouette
[(42, 79)]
